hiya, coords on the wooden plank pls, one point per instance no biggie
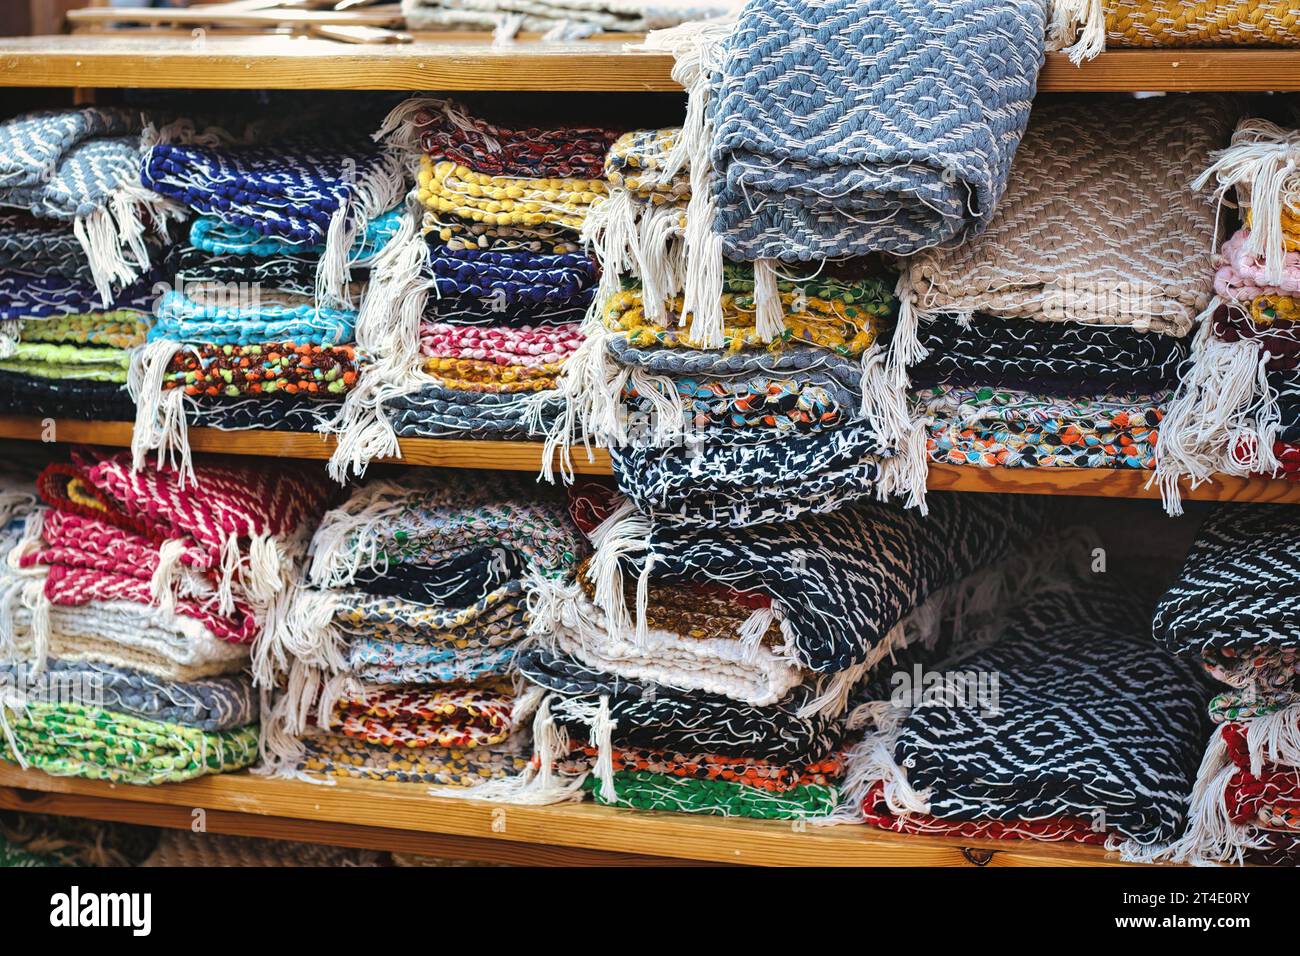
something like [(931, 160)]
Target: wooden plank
[(452, 62), (425, 452), (405, 807), (384, 16), (1171, 71), (446, 846), (1104, 483), (467, 61), (527, 456)]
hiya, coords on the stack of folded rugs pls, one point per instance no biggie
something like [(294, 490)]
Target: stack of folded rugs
[(130, 605), (1232, 612), (395, 657), (1091, 734), (1088, 27), (736, 364), (758, 426), (259, 329), (1238, 407), (1055, 338), (478, 330), (724, 692), (81, 245)]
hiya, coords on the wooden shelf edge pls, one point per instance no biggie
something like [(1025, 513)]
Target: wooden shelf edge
[(527, 457), (466, 61), (243, 802)]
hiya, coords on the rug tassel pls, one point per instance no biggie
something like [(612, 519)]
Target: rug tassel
[(1080, 21), (160, 415), (624, 533), (769, 320)]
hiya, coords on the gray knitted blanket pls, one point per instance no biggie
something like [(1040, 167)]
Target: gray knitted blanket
[(843, 127)]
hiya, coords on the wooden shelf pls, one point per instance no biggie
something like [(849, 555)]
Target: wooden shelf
[(461, 61), (527, 456), (407, 819)]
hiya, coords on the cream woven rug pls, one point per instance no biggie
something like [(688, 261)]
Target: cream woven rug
[(1098, 224)]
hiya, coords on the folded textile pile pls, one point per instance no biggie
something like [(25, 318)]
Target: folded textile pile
[(1089, 27), (1013, 393), (1234, 411), (395, 657), (872, 173), (74, 366), (1080, 731), (63, 351), (757, 431), (718, 237), (258, 331), (135, 570), (76, 172), (560, 19), (478, 308), (1054, 358), (129, 607), (725, 693), (1232, 612)]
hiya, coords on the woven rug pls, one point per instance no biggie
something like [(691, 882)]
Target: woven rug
[(638, 714), (1246, 805), (877, 813), (1066, 359), (72, 841), (217, 238), (415, 587), (433, 411), (80, 167), (46, 360), (1089, 722), (303, 371), (449, 188), (1090, 28), (1231, 607), (843, 581), (129, 634), (302, 192), (216, 704), (755, 478), (29, 296), (647, 790), (71, 740), (1011, 428), (444, 129), (117, 329), (54, 398), (1081, 255), (693, 643), (38, 246), (899, 178), (181, 319), (232, 516), (872, 172), (335, 755)]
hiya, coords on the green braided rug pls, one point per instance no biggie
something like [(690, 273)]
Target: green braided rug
[(70, 740), (646, 790)]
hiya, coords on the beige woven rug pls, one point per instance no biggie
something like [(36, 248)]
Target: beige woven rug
[(1098, 223)]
